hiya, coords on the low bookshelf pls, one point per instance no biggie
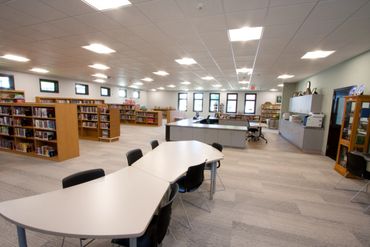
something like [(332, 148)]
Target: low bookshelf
[(11, 96), (127, 112), (149, 117), (68, 100), (47, 131)]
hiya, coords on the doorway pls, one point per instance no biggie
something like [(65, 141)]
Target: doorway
[(336, 121)]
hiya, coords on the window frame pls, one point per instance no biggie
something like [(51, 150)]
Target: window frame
[(11, 82), (227, 102), (210, 99), (138, 94), (255, 102), (56, 83), (178, 101), (109, 91), (198, 99), (122, 89), (86, 88)]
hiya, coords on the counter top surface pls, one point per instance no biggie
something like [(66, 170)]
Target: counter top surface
[(195, 124)]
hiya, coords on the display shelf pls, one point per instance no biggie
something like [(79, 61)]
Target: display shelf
[(41, 130), (270, 111), (149, 117), (79, 101), (355, 129), (11, 96)]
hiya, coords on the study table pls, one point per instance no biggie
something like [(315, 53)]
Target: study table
[(171, 160), (119, 205)]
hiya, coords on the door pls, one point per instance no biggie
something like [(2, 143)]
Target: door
[(336, 121)]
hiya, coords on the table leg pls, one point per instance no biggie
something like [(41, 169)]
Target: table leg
[(133, 242), (213, 180), (22, 240)]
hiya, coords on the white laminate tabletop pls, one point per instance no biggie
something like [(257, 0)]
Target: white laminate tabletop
[(119, 205), (170, 160)]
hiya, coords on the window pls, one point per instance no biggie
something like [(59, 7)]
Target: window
[(136, 95), (82, 89), (231, 102), (250, 103), (122, 93), (6, 82), (182, 104), (105, 91), (214, 102), (197, 102), (49, 86)]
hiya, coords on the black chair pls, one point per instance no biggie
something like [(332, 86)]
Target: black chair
[(133, 156), (158, 226), (254, 133), (80, 178), (219, 147), (154, 144), (356, 167), (191, 182)]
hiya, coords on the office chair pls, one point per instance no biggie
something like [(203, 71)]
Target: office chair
[(154, 144), (133, 155), (158, 226), (79, 178), (356, 166), (219, 147), (191, 182), (254, 133)]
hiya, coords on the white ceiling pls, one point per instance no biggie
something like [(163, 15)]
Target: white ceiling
[(150, 34)]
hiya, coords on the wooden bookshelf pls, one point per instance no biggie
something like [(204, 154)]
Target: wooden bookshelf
[(78, 101), (127, 112), (11, 96), (149, 117), (270, 111), (98, 122), (47, 131)]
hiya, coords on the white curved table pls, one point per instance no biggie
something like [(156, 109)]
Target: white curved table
[(119, 205), (171, 160)]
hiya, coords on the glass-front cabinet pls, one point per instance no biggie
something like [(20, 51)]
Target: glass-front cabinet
[(355, 129)]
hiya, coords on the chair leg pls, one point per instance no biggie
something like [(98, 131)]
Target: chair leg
[(361, 190), (186, 213), (171, 233), (63, 242), (222, 183), (203, 199)]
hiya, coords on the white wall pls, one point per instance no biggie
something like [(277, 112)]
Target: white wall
[(166, 99), (30, 84)]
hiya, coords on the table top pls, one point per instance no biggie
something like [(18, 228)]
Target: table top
[(119, 205), (170, 160)]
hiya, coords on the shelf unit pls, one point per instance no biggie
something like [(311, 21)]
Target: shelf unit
[(79, 101), (355, 131), (11, 96), (127, 112), (47, 131), (270, 111), (242, 117), (98, 122), (149, 117)]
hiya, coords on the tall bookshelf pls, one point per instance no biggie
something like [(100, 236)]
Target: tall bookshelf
[(11, 96), (270, 111), (98, 122), (68, 100), (47, 131), (149, 117)]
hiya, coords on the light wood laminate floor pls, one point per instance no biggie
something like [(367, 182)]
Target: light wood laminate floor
[(275, 195)]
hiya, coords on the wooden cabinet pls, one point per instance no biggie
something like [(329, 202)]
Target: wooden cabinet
[(46, 131), (270, 111), (355, 130), (109, 124), (11, 96), (149, 117), (306, 104)]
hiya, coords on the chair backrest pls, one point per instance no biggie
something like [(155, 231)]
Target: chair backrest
[(248, 124), (82, 177), (194, 177), (217, 146), (154, 144), (133, 155), (164, 214), (356, 164)]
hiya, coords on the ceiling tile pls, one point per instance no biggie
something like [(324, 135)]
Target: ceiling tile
[(343, 9), (288, 14), (161, 10), (200, 8), (69, 7), (252, 18), (242, 5)]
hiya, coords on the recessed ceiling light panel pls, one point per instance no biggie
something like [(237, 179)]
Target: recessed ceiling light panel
[(171, 86), (39, 70), (280, 85), (285, 76), (317, 54), (153, 90), (273, 89), (99, 75), (99, 48), (15, 58), (99, 66), (99, 80), (107, 4), (161, 73), (244, 82), (148, 79), (208, 78), (244, 71), (186, 61), (186, 83), (138, 83), (161, 88), (245, 34), (217, 85)]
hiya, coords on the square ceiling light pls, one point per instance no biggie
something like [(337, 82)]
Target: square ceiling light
[(317, 54), (99, 66), (285, 76), (208, 78), (15, 58), (107, 4), (99, 48), (99, 75), (161, 73), (186, 61), (244, 71), (148, 79), (39, 70), (245, 34)]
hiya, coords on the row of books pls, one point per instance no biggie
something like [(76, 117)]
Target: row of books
[(22, 111), (104, 110), (6, 143), (5, 110), (44, 124), (4, 130), (23, 132), (6, 120), (46, 150), (104, 125), (22, 122), (104, 118), (105, 133), (92, 109), (90, 124), (88, 117), (44, 112), (45, 135), (25, 147)]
